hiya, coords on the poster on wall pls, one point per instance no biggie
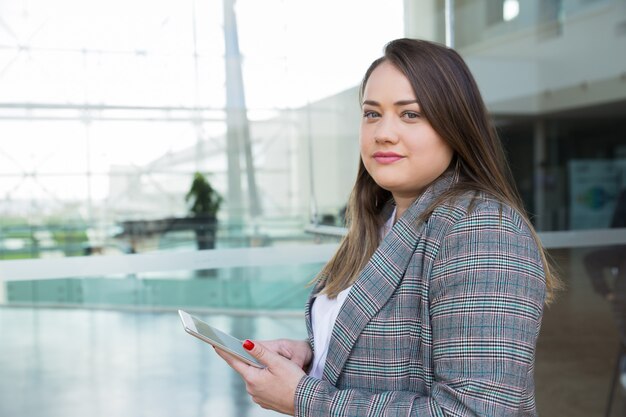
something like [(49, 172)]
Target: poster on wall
[(594, 186)]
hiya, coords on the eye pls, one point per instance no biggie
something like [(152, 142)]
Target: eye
[(411, 115), (370, 114)]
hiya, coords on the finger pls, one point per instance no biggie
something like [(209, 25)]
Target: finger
[(276, 346), (261, 353), (233, 361)]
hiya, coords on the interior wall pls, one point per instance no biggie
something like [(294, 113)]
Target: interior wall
[(526, 66)]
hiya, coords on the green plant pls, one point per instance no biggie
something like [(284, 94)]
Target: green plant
[(205, 199)]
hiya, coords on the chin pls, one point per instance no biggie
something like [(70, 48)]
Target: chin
[(381, 182), (388, 187)]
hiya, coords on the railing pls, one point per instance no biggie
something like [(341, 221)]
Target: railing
[(550, 240), (240, 280), (271, 280)]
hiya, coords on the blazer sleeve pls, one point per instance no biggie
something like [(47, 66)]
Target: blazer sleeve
[(487, 289)]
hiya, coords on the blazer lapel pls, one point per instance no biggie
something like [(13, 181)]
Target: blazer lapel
[(307, 314), (377, 281)]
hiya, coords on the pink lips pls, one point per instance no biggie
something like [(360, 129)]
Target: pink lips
[(386, 157)]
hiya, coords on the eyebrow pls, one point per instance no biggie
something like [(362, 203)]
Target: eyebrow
[(397, 103)]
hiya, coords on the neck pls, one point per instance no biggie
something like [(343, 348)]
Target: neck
[(402, 204)]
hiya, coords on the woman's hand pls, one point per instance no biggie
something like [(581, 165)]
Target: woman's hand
[(298, 351), (273, 387)]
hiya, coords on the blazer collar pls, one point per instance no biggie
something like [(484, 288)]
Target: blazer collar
[(377, 281)]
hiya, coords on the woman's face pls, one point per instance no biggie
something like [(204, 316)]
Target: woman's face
[(399, 148)]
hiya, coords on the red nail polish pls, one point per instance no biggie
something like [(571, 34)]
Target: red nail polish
[(248, 345)]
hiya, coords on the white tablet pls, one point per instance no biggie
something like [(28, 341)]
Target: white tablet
[(209, 334)]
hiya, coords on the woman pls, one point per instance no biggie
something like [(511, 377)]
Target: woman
[(433, 302)]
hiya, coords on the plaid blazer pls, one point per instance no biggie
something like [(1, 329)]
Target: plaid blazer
[(442, 321)]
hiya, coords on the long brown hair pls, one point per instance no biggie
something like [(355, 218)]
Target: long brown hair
[(450, 100)]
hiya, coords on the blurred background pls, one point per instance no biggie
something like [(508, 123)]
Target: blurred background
[(199, 155)]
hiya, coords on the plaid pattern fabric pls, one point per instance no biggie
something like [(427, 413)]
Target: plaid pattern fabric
[(442, 321)]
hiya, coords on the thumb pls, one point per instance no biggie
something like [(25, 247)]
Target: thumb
[(260, 353)]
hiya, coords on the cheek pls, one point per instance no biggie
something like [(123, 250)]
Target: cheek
[(441, 158), (434, 148), (364, 143), (364, 134), (435, 152), (445, 153)]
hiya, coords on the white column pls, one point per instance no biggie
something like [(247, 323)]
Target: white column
[(238, 132), (420, 19), (449, 13)]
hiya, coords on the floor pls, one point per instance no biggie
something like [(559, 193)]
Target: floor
[(66, 363), (77, 362)]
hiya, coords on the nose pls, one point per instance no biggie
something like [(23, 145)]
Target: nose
[(385, 132)]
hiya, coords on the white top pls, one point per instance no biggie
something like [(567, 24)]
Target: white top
[(324, 314)]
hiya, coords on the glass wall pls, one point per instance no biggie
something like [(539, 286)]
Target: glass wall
[(107, 110)]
